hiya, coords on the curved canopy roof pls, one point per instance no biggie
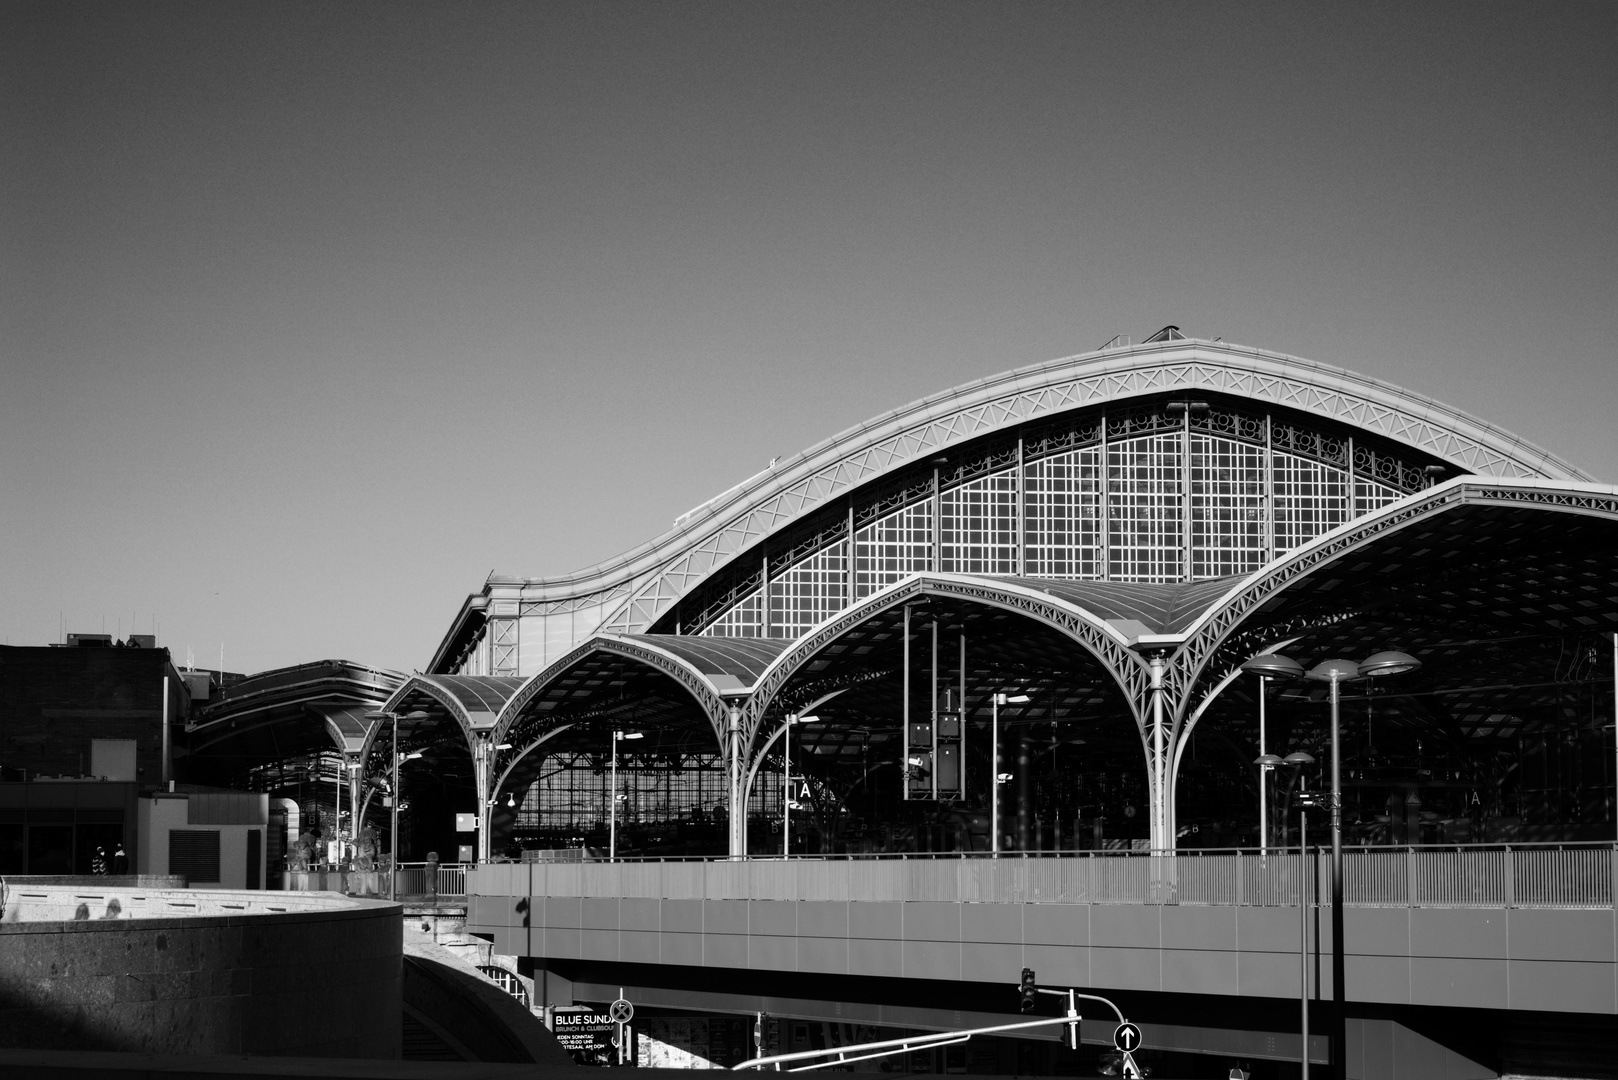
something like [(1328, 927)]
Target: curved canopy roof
[(644, 583)]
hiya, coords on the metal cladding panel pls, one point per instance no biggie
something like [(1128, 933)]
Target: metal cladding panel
[(598, 945), (772, 917), (932, 960), (1054, 924), (640, 947), (682, 949), (883, 921), (682, 916), (1555, 986), (1194, 971), (1005, 923), (875, 957), (1457, 932), (1126, 926), (724, 950), (1267, 974), (1060, 964), (932, 922), (991, 963), (823, 918), (1199, 928), (1126, 969), (772, 953), (1374, 931), (1478, 984), (640, 913), (1562, 935), (823, 954)]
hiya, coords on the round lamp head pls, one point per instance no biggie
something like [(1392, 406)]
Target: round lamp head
[(1298, 759), (1269, 761), (1340, 670), (1275, 666), (1389, 663)]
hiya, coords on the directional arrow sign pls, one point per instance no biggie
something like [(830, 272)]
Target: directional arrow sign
[(1126, 1037)]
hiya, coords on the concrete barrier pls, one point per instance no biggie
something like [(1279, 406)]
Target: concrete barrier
[(236, 973)]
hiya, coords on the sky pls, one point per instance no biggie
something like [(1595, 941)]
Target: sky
[(312, 315)]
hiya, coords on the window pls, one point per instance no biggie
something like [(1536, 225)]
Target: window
[(194, 853)]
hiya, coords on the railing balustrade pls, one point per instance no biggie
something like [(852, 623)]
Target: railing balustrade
[(415, 883), (1559, 875)]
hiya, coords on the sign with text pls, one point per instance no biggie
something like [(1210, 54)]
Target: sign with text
[(587, 1036), (466, 823)]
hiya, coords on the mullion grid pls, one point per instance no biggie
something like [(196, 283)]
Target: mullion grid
[(1144, 531), (1370, 496), (1227, 507), (743, 620), (979, 526), (893, 547), (1062, 516), (576, 796), (1310, 499), (810, 591)]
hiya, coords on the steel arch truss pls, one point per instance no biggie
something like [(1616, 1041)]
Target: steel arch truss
[(1101, 641), (682, 672), (834, 468)]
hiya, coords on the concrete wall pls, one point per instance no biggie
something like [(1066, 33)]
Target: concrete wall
[(324, 981)]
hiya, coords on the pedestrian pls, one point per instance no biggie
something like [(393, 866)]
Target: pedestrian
[(98, 862), (120, 861)]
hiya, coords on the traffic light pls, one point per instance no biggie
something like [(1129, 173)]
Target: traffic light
[(1029, 990)]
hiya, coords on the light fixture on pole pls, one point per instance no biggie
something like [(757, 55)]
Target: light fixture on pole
[(1267, 666), (994, 765), (612, 826), (393, 796), (786, 772), (1336, 672), (1300, 761)]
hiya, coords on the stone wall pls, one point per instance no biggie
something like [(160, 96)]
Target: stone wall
[(320, 982)]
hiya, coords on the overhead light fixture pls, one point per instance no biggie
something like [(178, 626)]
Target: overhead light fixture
[(1274, 666), (1391, 662)]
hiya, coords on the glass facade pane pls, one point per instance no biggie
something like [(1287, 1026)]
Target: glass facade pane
[(1227, 507), (978, 526), (1144, 534), (893, 547), (741, 620), (1310, 499), (573, 794), (810, 591), (1062, 515), (1370, 496)]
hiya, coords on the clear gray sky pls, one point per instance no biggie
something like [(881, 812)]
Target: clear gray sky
[(314, 314)]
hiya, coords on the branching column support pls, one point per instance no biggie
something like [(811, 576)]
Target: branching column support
[(1158, 753), (737, 803), (354, 765), (482, 767)]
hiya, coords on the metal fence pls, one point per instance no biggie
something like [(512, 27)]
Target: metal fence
[(1563, 875), (416, 882)]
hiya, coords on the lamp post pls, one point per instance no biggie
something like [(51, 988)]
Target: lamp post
[(1300, 761), (786, 772), (612, 810), (393, 828), (1266, 667), (994, 768), (1336, 672)]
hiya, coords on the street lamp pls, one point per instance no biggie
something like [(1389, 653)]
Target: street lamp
[(1336, 672), (994, 769), (1266, 667), (786, 801), (1299, 760), (612, 827), (393, 829)]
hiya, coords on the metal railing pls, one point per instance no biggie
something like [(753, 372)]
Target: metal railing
[(1559, 875), (416, 882)]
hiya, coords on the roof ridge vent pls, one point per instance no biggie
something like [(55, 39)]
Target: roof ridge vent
[(1168, 333)]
